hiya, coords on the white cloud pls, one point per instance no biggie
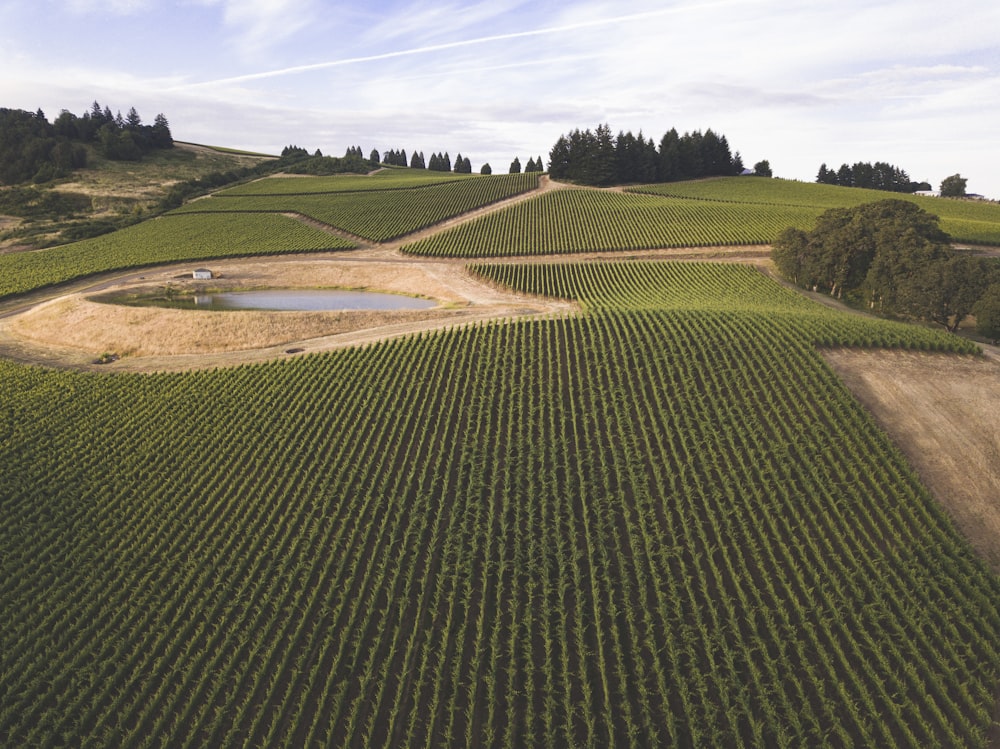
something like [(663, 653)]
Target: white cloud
[(257, 25), (104, 7)]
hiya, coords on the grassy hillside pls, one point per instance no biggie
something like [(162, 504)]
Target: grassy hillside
[(972, 221), (108, 193)]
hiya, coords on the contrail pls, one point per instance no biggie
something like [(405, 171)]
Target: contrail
[(462, 43)]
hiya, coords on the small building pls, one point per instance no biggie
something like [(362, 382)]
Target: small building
[(202, 274)]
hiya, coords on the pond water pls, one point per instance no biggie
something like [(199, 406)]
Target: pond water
[(302, 300), (310, 300)]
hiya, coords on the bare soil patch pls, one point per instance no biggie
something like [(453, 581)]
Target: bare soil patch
[(72, 330), (941, 410)]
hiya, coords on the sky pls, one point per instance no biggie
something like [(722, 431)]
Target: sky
[(796, 82)]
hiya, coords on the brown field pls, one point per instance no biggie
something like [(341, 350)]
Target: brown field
[(941, 410)]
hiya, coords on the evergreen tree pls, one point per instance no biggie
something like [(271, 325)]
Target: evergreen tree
[(486, 169), (559, 159), (374, 157), (132, 120), (161, 136), (515, 166), (670, 157)]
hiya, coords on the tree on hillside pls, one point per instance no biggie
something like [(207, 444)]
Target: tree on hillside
[(891, 254), (486, 169), (987, 312), (762, 169), (946, 292), (515, 166), (953, 186)]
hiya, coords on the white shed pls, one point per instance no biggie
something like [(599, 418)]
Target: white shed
[(202, 274)]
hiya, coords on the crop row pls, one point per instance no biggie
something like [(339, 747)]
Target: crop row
[(168, 239), (380, 215), (974, 221), (741, 289), (665, 526), (565, 221)]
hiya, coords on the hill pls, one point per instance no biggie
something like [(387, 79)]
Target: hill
[(108, 194)]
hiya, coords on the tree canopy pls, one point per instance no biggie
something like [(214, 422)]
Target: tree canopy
[(953, 186), (32, 149), (599, 158), (891, 255), (877, 176)]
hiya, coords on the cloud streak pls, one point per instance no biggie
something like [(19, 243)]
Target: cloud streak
[(445, 46)]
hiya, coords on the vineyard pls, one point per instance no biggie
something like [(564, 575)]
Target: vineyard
[(566, 221), (663, 521), (377, 215), (165, 240), (973, 221), (385, 179)]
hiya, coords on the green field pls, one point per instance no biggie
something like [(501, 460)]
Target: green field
[(384, 179), (973, 221), (663, 521), (167, 239), (659, 521), (377, 215), (566, 221)]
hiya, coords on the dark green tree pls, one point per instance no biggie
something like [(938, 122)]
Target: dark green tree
[(762, 169), (515, 166), (486, 169), (559, 159), (953, 186), (987, 312)]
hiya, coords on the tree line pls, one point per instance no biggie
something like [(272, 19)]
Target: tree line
[(33, 149), (892, 256), (877, 176), (599, 158)]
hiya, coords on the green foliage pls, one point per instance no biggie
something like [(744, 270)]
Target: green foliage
[(663, 522), (877, 176), (597, 158), (893, 253), (164, 240), (953, 186), (31, 149), (329, 165), (34, 203), (987, 312)]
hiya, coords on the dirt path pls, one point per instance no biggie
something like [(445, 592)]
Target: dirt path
[(941, 410)]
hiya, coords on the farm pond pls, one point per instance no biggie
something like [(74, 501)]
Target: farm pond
[(301, 300)]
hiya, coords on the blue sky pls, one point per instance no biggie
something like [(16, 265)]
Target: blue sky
[(799, 83)]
